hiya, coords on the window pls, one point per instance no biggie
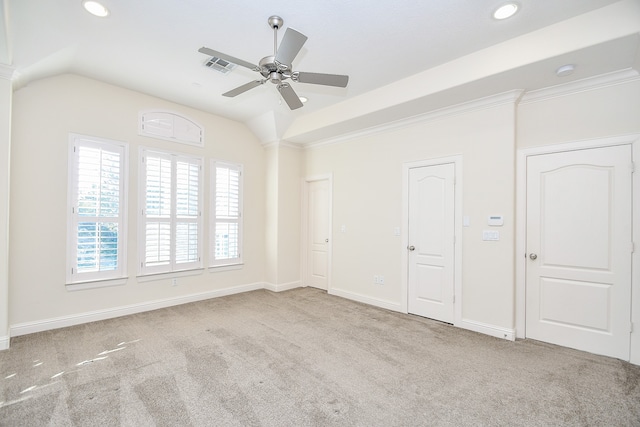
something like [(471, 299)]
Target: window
[(97, 211), (171, 212), (226, 214), (171, 127)]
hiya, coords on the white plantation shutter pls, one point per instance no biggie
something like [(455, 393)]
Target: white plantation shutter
[(97, 209), (187, 211), (172, 214), (158, 211), (226, 218)]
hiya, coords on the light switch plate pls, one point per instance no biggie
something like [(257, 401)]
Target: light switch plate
[(490, 235)]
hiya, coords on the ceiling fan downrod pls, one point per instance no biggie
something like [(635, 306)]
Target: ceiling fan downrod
[(275, 22)]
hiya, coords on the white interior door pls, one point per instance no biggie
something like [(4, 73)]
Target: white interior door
[(578, 274), (431, 242), (318, 234)]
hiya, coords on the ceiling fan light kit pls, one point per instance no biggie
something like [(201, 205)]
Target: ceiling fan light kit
[(277, 68)]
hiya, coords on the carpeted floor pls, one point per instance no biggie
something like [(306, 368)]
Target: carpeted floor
[(303, 358)]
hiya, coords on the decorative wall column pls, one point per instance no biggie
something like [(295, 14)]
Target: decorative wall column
[(283, 199), (6, 90)]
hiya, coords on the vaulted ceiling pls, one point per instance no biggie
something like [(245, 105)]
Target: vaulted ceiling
[(404, 57)]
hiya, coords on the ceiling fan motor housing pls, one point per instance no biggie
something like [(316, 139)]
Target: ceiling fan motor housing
[(270, 70)]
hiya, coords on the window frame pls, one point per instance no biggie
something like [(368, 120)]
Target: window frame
[(213, 219), (74, 278), (173, 265)]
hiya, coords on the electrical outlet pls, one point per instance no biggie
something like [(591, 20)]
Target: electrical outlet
[(174, 282), (380, 280)]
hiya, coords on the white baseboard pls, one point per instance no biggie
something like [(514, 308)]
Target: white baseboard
[(367, 300), (4, 343), (77, 319), (283, 286), (492, 330)]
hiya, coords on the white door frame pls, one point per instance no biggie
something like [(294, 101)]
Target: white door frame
[(457, 161), (521, 224), (304, 233)]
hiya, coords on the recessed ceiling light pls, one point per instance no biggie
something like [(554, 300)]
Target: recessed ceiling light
[(505, 11), (303, 99), (95, 8), (565, 70)]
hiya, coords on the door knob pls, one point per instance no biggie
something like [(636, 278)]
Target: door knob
[(411, 248), (533, 256), (326, 240)]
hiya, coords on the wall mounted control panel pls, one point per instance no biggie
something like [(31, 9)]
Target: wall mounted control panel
[(495, 220)]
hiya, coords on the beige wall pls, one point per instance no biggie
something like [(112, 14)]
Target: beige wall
[(596, 113), (367, 200), (44, 113)]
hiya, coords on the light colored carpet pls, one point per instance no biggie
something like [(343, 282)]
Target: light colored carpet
[(303, 358)]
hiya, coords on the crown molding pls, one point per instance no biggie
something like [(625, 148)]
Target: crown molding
[(281, 143), (7, 72), (583, 85), (510, 97)]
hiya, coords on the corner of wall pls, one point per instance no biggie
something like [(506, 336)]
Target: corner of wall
[(4, 343)]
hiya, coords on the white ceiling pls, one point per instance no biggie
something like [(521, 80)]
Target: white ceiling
[(152, 46)]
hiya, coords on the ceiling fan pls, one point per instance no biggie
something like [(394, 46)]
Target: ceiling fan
[(277, 67)]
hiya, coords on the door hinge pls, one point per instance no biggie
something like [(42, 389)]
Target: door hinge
[(454, 299), (633, 167), (631, 327), (633, 247)]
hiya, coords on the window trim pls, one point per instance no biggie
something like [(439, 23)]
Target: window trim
[(81, 280), (173, 266), (225, 264)]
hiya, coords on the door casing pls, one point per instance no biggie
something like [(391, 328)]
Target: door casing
[(304, 233), (457, 161), (521, 223)]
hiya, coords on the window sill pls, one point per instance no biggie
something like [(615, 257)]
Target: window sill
[(94, 284), (169, 275), (225, 267)]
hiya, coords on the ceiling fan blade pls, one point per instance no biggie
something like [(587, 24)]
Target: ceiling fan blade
[(242, 89), (291, 44), (228, 58), (322, 79), (290, 96)]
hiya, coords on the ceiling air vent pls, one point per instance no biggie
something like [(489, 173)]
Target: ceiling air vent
[(220, 65)]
